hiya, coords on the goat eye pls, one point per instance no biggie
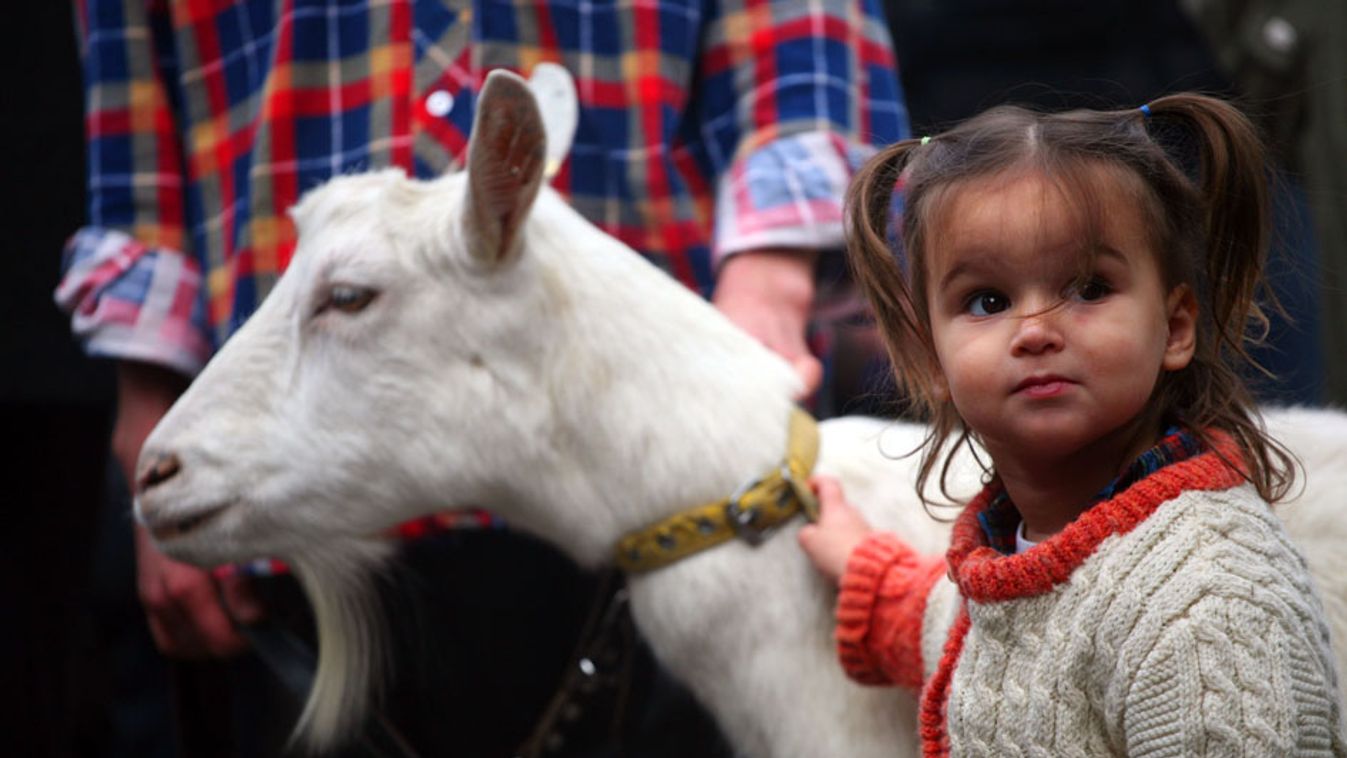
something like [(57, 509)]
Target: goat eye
[(348, 298)]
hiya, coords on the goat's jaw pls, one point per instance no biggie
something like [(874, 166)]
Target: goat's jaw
[(194, 536), (203, 533), (165, 527)]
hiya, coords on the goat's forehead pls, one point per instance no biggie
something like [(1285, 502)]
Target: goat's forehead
[(352, 211), (362, 198)]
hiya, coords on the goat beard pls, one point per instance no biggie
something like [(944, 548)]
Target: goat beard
[(340, 584)]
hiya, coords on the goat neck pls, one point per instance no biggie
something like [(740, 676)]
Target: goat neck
[(688, 406)]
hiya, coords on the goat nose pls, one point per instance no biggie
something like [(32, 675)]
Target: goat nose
[(163, 467)]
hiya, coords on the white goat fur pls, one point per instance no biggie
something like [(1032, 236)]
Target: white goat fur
[(578, 392)]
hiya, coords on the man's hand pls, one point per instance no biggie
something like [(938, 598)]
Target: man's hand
[(180, 600), (839, 530), (184, 612), (769, 293)]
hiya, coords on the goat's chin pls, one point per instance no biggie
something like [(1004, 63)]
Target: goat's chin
[(339, 581)]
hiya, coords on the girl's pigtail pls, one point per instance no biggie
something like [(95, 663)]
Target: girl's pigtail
[(1233, 185), (876, 268), (890, 273), (1233, 182)]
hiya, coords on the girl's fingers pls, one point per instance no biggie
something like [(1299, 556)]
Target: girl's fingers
[(828, 489)]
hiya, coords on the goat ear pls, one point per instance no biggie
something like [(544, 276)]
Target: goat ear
[(506, 156)]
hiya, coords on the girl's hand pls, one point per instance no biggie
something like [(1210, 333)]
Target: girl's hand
[(839, 530)]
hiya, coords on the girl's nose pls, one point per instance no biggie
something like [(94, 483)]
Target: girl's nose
[(1037, 334)]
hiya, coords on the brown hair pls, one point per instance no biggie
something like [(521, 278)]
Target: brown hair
[(1210, 232)]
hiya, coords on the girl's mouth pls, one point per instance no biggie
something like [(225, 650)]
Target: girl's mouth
[(1043, 386)]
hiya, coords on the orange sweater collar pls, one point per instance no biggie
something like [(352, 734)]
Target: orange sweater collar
[(985, 575)]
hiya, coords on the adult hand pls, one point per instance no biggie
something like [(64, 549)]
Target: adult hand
[(769, 294), (840, 528), (181, 602), (184, 611)]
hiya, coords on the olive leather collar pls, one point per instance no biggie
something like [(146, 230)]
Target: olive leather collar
[(751, 513)]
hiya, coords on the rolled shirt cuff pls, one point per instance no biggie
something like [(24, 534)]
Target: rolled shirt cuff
[(132, 302), (786, 194)]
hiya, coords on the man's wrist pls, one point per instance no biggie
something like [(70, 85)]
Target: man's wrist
[(779, 274), (145, 392)]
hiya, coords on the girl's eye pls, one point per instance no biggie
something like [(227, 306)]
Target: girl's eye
[(987, 303), (347, 298), (1095, 289)]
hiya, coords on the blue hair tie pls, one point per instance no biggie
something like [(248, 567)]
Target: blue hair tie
[(1145, 110)]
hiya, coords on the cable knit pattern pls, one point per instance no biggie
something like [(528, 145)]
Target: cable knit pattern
[(1174, 619), (880, 611)]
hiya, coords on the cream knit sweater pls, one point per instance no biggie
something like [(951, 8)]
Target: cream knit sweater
[(1174, 619)]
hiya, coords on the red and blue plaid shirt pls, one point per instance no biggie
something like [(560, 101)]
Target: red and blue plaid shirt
[(705, 128)]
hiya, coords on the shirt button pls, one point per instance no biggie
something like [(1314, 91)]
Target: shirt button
[(1280, 35), (439, 103)]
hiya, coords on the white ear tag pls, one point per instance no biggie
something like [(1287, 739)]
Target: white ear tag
[(554, 88)]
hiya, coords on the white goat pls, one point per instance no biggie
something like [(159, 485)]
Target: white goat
[(474, 340)]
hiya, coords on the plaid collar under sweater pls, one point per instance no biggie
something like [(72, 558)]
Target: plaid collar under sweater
[(1001, 518), (984, 574)]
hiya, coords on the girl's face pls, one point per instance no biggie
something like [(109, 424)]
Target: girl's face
[(1036, 363)]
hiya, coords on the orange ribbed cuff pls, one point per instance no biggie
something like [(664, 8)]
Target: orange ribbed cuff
[(880, 610)]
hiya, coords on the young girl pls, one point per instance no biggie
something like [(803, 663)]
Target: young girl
[(1068, 299)]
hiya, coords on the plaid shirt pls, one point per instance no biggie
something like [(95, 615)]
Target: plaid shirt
[(704, 126)]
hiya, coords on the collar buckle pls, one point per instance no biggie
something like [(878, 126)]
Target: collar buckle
[(746, 518)]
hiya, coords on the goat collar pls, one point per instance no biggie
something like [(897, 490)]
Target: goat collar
[(751, 513)]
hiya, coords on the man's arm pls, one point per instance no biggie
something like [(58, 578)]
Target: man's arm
[(130, 287), (803, 93), (769, 294), (181, 602)]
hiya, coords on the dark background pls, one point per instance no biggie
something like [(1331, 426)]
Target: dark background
[(54, 403)]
